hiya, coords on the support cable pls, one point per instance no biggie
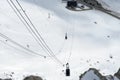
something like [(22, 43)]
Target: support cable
[(19, 45), (22, 19), (72, 43), (28, 25), (42, 42), (39, 35)]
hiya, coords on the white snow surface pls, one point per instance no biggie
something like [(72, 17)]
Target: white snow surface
[(93, 44)]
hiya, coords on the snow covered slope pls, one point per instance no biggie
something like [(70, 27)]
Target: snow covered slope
[(111, 4), (93, 40)]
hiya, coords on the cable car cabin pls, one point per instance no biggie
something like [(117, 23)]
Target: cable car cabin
[(66, 36), (71, 4), (67, 70)]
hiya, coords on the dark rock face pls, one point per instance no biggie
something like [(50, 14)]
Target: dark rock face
[(33, 78), (110, 77), (96, 73), (117, 74)]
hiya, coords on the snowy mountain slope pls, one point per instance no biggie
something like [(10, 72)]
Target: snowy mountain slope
[(111, 4), (95, 38)]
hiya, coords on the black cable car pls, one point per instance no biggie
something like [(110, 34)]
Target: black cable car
[(72, 4), (67, 70), (66, 36)]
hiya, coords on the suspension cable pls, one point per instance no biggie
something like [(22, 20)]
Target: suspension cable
[(22, 19), (19, 45), (40, 37), (28, 25), (14, 47), (35, 32), (72, 43), (42, 40)]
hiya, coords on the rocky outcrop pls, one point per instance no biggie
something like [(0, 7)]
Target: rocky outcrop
[(33, 78), (117, 74), (94, 74), (110, 77)]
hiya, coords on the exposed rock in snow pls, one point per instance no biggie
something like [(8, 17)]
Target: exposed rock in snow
[(33, 78), (109, 77), (93, 74), (117, 74)]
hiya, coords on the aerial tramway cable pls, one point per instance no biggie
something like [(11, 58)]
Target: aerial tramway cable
[(35, 32), (67, 71), (28, 25), (22, 19), (39, 35), (25, 19), (72, 43), (71, 47), (14, 47), (63, 43), (26, 22), (12, 41)]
